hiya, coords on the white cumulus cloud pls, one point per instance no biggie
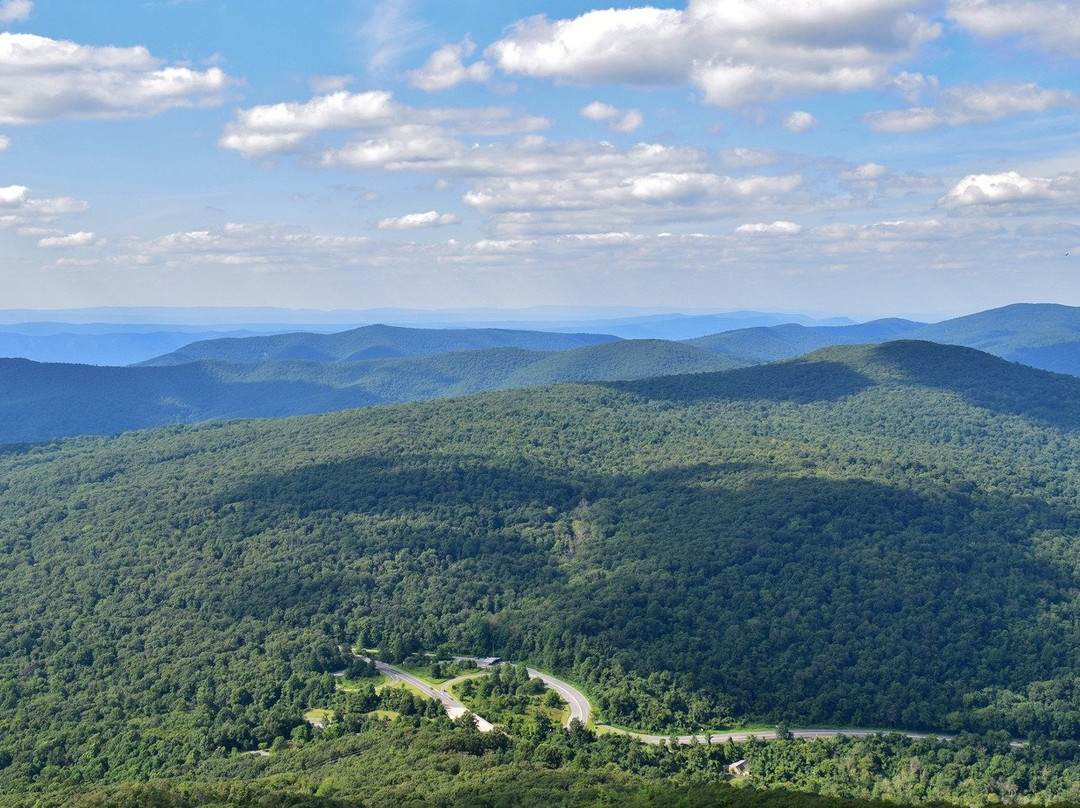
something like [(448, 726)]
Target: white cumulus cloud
[(56, 206), (382, 124), (445, 68), (930, 241), (12, 196), (15, 10), (773, 229), (799, 121), (1050, 25), (1012, 187), (278, 127), (526, 185), (599, 111), (737, 52), (608, 190), (44, 79), (68, 241), (415, 221), (619, 120), (958, 106), (911, 86), (21, 210), (634, 46), (532, 186)]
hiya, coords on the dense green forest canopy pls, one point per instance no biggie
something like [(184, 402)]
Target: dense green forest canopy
[(875, 536), (418, 762)]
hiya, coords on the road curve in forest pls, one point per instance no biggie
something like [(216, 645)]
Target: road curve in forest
[(581, 710), (454, 708)]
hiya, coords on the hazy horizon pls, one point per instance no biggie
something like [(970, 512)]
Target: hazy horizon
[(199, 316)]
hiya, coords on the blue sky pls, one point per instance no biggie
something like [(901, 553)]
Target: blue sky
[(859, 157)]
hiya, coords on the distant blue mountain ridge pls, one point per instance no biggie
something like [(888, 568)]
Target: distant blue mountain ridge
[(306, 372)]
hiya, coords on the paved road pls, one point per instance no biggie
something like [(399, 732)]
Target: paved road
[(579, 705), (582, 710), (766, 735), (396, 675), (453, 707)]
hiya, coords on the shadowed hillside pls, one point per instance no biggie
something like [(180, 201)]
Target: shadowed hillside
[(627, 359), (43, 401)]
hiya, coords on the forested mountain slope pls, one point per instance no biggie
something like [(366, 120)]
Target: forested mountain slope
[(1043, 335), (326, 372), (42, 401), (879, 536), (626, 359), (771, 343), (373, 342)]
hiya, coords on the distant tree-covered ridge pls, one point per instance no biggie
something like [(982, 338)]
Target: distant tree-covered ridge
[(868, 536), (373, 342), (44, 401), (1043, 335), (305, 373)]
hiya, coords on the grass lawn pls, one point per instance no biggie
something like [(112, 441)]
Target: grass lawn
[(385, 715), (422, 671), (317, 716), (347, 685), (415, 690), (558, 715)]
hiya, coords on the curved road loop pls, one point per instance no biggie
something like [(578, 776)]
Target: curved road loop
[(581, 710)]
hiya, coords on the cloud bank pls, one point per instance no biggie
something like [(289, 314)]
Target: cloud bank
[(959, 106), (737, 52), (44, 79)]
